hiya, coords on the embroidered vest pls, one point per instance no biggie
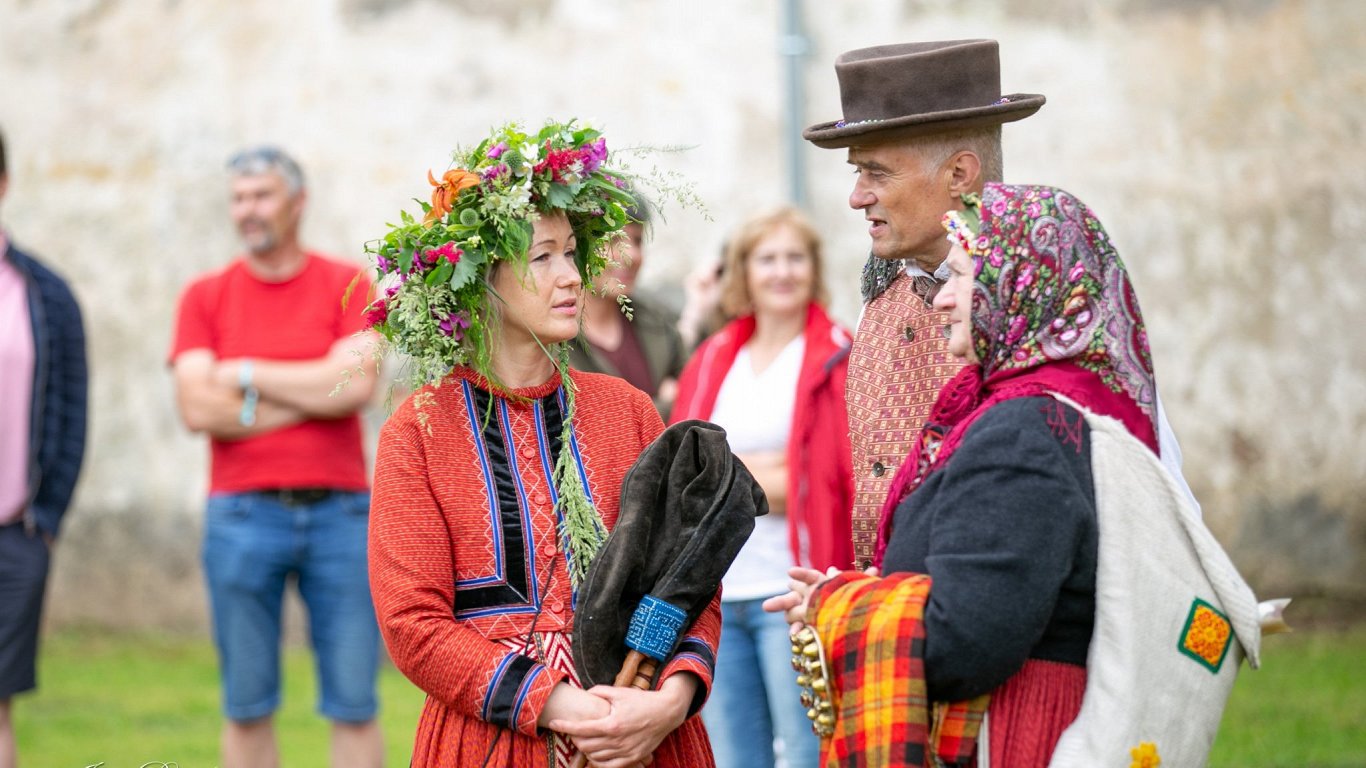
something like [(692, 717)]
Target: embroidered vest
[(897, 364)]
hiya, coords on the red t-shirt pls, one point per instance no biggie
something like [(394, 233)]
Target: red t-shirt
[(234, 314)]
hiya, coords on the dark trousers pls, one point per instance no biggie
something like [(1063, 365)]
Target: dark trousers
[(24, 560)]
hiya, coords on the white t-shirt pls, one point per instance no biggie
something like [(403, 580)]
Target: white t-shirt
[(755, 409)]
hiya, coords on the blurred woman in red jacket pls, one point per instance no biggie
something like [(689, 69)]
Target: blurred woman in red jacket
[(774, 379)]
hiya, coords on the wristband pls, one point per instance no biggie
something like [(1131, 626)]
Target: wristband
[(248, 415), (250, 395)]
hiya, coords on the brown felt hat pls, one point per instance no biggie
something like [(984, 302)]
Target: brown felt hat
[(912, 89)]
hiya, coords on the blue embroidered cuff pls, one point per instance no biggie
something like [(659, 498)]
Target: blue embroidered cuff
[(654, 627)]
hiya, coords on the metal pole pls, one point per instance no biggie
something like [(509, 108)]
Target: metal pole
[(794, 46)]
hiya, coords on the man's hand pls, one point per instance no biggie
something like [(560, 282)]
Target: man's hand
[(802, 582)]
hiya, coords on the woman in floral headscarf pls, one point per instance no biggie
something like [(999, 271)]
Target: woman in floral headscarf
[(989, 535)]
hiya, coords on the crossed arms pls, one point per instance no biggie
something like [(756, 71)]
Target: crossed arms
[(209, 395)]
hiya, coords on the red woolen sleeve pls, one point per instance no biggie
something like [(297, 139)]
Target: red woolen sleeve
[(412, 578), (696, 653)]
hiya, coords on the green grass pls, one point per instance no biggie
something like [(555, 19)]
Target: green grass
[(129, 699), (1305, 708)]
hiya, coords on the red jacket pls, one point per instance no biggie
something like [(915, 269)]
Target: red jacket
[(820, 484)]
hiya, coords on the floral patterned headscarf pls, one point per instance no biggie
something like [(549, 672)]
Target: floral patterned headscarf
[(1049, 287), (1053, 311)]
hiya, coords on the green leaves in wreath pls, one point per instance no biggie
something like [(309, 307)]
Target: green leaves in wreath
[(561, 195), (467, 268)]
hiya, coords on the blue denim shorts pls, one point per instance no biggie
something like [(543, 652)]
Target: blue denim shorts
[(253, 544)]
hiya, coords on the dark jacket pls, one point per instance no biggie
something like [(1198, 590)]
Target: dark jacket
[(1006, 528), (653, 327), (57, 418)]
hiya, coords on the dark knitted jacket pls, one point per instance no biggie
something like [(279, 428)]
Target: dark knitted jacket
[(1006, 529), (58, 413)]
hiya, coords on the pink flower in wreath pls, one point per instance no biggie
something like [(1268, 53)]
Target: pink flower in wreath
[(454, 325), (377, 314)]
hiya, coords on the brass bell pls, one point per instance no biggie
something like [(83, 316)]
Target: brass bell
[(825, 720), (812, 714), (818, 685), (804, 681), (807, 700), (811, 651)]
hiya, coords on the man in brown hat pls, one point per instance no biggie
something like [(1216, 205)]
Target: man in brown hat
[(922, 126)]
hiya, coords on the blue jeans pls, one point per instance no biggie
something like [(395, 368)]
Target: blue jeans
[(754, 697), (253, 543)]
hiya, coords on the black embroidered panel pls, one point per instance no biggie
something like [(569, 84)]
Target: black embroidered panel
[(515, 589)]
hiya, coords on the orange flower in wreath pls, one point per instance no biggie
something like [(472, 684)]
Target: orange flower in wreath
[(447, 190)]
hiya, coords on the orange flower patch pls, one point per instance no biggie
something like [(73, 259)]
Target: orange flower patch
[(1206, 636)]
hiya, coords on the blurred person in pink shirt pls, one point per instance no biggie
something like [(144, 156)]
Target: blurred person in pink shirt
[(42, 407)]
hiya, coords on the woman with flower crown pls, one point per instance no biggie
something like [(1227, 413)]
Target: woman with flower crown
[(498, 479)]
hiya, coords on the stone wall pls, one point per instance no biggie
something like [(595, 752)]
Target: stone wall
[(1211, 137)]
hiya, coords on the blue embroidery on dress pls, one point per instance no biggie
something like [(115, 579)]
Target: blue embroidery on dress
[(495, 520), (528, 532)]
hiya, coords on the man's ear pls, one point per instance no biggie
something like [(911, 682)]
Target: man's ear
[(965, 173)]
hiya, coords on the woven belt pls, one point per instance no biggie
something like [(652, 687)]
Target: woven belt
[(298, 497)]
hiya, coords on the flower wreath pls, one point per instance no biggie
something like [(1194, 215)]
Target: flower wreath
[(434, 305)]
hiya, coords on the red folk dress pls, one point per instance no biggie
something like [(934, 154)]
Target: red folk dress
[(470, 584)]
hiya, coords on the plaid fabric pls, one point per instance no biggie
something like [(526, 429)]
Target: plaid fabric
[(874, 643)]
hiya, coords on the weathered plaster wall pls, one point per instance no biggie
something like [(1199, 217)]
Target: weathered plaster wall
[(1221, 142)]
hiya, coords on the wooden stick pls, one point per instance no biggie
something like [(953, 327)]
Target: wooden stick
[(636, 671)]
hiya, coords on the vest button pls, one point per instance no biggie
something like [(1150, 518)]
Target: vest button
[(878, 469), (908, 333)]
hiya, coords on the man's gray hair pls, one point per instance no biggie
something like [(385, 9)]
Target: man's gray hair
[(255, 161), (936, 149)]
